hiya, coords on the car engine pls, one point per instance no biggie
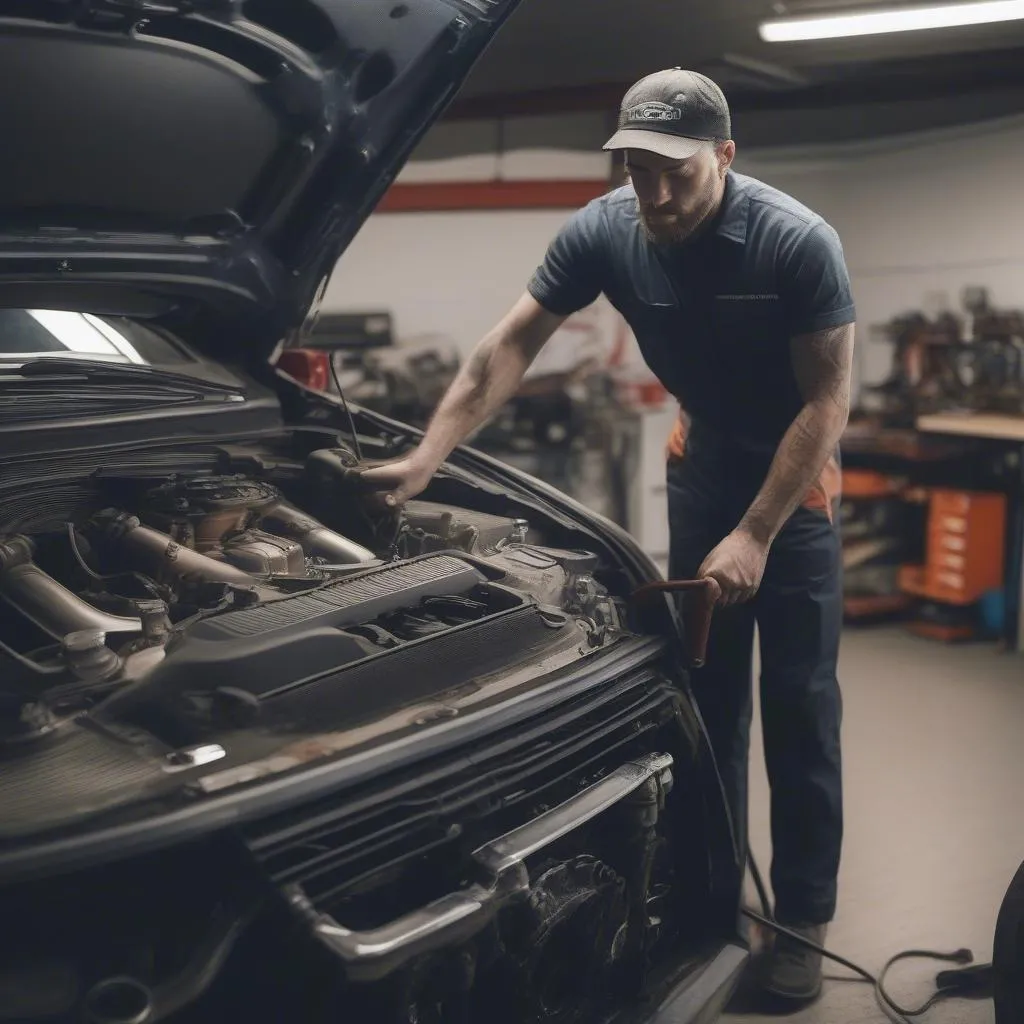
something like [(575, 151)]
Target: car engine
[(221, 570)]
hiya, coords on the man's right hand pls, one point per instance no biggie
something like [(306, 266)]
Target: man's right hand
[(392, 484), (488, 379)]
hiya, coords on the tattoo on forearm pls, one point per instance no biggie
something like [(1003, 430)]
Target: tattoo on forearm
[(822, 364)]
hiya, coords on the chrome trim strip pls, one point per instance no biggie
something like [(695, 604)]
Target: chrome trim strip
[(373, 954), (502, 854)]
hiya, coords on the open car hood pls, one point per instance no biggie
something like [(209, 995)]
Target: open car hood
[(206, 162)]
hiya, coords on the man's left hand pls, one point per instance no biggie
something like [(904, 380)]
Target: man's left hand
[(737, 565)]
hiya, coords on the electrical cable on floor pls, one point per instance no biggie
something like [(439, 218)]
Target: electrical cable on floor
[(951, 983)]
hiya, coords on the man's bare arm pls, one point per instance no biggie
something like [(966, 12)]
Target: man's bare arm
[(823, 364), (489, 377)]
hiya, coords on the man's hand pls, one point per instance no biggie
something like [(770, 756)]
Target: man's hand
[(737, 566), (394, 483)]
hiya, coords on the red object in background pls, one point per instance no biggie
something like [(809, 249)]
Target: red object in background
[(308, 366), (642, 394)]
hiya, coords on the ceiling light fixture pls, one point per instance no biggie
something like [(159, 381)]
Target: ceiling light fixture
[(891, 19)]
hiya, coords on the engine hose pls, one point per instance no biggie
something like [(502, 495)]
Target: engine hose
[(893, 1010)]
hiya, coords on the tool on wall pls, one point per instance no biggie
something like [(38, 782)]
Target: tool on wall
[(972, 358), (925, 374)]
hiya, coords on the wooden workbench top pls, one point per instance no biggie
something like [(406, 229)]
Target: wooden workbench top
[(996, 426)]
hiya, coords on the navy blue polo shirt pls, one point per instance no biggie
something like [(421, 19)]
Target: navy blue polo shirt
[(714, 317)]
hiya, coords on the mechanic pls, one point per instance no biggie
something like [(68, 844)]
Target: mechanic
[(740, 301)]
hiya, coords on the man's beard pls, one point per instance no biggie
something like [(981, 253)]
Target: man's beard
[(671, 228), (667, 229)]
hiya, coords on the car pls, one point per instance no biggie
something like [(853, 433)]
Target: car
[(268, 753)]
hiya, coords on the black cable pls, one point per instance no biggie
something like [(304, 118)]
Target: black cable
[(33, 666), (888, 1005), (762, 889), (344, 404)]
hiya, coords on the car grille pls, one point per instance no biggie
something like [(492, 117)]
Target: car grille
[(440, 810)]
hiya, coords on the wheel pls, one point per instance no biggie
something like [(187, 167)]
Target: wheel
[(1008, 955)]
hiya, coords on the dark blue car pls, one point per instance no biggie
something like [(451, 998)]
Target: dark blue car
[(267, 755)]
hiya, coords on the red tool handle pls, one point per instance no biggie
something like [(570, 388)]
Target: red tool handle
[(699, 602)]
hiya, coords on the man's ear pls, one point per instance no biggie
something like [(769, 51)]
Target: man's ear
[(726, 153)]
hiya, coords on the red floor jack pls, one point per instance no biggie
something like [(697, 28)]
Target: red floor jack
[(1001, 980)]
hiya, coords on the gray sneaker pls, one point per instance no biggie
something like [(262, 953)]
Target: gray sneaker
[(794, 971)]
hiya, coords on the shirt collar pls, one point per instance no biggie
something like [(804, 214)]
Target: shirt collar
[(732, 218)]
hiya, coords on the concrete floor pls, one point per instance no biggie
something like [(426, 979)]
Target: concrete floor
[(934, 760)]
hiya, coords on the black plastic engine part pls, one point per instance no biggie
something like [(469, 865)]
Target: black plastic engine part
[(273, 646), (348, 602), (312, 658)]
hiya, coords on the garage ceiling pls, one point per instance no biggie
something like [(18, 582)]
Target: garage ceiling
[(562, 55)]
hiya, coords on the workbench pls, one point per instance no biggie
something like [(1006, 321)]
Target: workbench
[(987, 425), (1010, 431)]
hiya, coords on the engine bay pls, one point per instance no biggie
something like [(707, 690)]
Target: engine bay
[(179, 617)]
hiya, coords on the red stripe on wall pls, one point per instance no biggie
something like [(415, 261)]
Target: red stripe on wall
[(490, 195)]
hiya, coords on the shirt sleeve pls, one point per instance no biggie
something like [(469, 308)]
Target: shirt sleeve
[(569, 279), (816, 283)]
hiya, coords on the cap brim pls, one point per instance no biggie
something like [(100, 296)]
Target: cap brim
[(672, 147)]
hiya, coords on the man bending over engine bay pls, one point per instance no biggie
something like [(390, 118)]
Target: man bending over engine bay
[(740, 301)]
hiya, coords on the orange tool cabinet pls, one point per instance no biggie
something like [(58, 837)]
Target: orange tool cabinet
[(965, 548)]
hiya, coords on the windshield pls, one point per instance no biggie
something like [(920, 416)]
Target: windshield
[(27, 334)]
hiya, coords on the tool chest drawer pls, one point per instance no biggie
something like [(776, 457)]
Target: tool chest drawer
[(966, 536)]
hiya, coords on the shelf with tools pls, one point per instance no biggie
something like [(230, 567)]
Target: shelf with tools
[(934, 498)]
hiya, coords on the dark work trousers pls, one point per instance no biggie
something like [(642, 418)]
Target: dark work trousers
[(798, 611)]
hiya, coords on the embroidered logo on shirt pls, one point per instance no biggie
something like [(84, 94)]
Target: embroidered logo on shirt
[(652, 110), (748, 298)]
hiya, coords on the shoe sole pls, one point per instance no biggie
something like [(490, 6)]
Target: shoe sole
[(793, 997)]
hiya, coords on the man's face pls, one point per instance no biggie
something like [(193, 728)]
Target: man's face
[(675, 198)]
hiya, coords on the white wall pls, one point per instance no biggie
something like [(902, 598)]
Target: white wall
[(921, 214), (452, 274), (921, 217), (455, 274)]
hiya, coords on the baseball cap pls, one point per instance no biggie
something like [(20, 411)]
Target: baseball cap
[(672, 113)]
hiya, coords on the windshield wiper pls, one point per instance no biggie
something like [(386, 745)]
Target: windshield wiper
[(116, 379)]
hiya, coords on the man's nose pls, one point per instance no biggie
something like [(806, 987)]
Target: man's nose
[(663, 191)]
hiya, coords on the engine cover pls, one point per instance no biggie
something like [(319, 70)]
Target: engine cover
[(441, 622)]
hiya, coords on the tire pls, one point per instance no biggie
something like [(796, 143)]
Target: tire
[(1008, 955)]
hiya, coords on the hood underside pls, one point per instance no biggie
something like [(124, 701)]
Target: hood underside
[(210, 160)]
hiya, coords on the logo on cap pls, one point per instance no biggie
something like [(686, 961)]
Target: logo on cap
[(652, 110)]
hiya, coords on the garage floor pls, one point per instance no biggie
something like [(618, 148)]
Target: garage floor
[(933, 760)]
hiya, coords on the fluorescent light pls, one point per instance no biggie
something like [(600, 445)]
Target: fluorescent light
[(892, 19)]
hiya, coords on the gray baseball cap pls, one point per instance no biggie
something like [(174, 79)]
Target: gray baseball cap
[(672, 113)]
